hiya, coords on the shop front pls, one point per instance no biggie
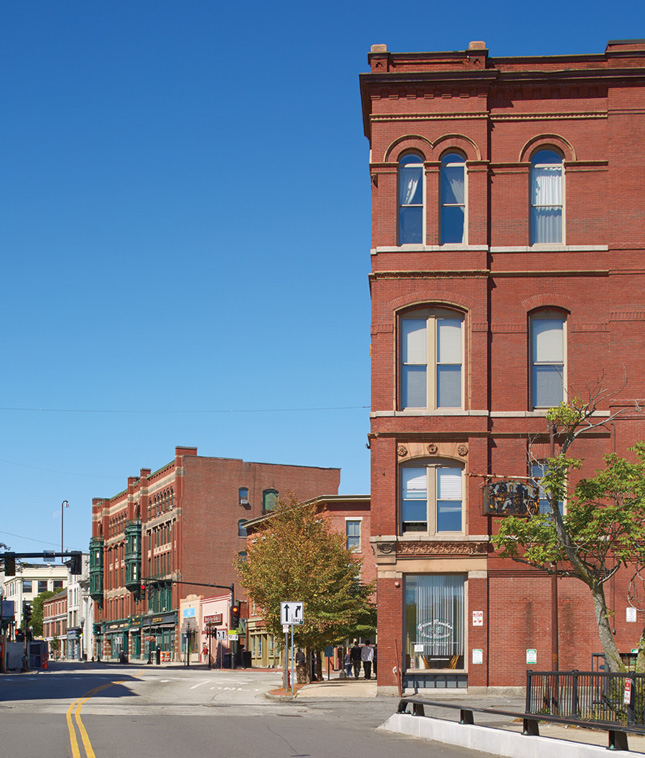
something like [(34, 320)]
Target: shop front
[(158, 634), (435, 630)]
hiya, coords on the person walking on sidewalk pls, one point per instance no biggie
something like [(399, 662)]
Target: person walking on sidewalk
[(355, 655), (367, 656), (348, 663)]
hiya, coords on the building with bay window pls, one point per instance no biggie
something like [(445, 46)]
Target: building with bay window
[(508, 228), (172, 533)]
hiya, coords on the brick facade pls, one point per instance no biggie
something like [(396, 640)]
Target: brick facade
[(175, 526), (496, 115)]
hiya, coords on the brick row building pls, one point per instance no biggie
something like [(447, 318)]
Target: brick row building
[(508, 233), (172, 533)]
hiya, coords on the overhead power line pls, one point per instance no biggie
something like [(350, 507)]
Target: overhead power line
[(171, 410)]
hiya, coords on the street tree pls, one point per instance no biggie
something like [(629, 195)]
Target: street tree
[(602, 528), (37, 612), (295, 556)]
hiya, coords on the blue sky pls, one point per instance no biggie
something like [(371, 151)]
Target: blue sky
[(184, 227)]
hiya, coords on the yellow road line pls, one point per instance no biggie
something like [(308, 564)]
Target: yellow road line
[(75, 709)]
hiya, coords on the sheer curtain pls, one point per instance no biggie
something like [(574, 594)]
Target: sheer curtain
[(546, 199)]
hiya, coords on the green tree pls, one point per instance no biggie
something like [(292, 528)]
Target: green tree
[(37, 612), (295, 556), (602, 529)]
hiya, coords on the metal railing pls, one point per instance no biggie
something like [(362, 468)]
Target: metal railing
[(617, 733), (587, 696)]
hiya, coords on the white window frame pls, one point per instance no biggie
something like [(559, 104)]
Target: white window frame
[(431, 466), (400, 205), (545, 315), (431, 316), (545, 505), (561, 206), (354, 520), (464, 205)]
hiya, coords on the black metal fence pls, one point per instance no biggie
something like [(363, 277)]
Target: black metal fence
[(587, 696)]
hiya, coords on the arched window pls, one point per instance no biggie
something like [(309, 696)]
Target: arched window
[(453, 199), (241, 529), (411, 195), (546, 197), (547, 359), (431, 497), (431, 356), (269, 500)]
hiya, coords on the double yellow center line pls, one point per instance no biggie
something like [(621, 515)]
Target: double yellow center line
[(75, 710)]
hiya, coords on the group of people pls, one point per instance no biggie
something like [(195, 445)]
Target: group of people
[(360, 654)]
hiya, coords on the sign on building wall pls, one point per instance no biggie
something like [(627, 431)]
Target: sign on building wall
[(511, 497)]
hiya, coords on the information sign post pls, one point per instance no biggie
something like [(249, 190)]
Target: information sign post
[(291, 614)]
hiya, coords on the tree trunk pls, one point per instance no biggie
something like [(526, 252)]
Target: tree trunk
[(640, 658), (614, 664)]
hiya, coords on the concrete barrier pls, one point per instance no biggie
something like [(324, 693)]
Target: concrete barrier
[(489, 739)]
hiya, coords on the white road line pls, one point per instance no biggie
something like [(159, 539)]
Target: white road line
[(195, 686)]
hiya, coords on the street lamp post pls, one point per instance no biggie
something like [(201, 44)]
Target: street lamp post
[(63, 505)]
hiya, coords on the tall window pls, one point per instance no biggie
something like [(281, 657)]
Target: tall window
[(243, 494), (435, 629), (547, 359), (241, 529), (431, 498), (538, 470), (269, 500), (431, 360), (453, 199), (546, 197), (353, 533), (411, 199)]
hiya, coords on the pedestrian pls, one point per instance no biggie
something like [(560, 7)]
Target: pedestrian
[(301, 669), (205, 652), (367, 656), (348, 663), (355, 655), (375, 659)]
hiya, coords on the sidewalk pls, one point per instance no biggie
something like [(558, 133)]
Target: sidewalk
[(341, 688), (365, 689)]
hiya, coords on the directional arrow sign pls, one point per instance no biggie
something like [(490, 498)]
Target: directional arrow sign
[(291, 613)]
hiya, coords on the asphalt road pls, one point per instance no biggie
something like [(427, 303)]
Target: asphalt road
[(104, 711)]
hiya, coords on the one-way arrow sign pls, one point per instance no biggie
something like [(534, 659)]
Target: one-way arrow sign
[(291, 613)]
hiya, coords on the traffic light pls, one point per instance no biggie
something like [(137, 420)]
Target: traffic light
[(26, 614), (235, 614), (9, 564), (76, 562)]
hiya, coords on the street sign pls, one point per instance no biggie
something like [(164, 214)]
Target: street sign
[(222, 635), (233, 636), (291, 613)]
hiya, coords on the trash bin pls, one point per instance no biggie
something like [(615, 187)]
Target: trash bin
[(226, 663), (245, 659)]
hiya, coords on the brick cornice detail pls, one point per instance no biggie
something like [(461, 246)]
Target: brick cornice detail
[(426, 296)]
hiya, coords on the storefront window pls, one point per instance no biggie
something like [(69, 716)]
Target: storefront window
[(434, 621)]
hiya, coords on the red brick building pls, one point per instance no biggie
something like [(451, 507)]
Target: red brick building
[(55, 624), (508, 229), (172, 531), (348, 515)]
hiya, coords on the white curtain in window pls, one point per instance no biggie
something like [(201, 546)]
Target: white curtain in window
[(452, 185), (548, 343), (410, 185), (449, 340), (547, 185), (448, 483), (414, 482), (436, 604), (415, 340)]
